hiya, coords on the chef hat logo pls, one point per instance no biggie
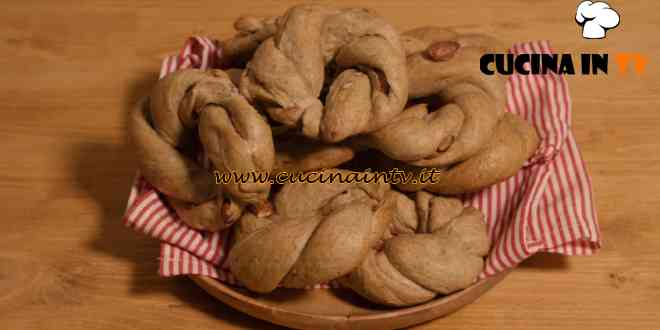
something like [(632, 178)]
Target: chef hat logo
[(596, 18)]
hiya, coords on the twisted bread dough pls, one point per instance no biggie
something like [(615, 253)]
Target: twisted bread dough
[(438, 249), (319, 232), (193, 109), (513, 142), (334, 75), (286, 75), (469, 139), (297, 153), (443, 65), (376, 241)]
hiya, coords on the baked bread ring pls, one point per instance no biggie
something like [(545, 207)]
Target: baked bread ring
[(353, 51), (439, 251), (191, 111)]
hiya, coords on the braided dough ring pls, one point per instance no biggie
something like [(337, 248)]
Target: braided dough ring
[(191, 110), (319, 231), (438, 248), (469, 139), (443, 68), (286, 74)]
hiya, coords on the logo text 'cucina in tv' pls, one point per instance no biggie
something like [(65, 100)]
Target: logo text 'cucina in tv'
[(507, 64), (589, 64)]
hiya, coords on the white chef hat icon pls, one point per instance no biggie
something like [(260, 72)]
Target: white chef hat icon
[(596, 18)]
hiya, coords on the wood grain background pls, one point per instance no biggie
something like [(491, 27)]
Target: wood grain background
[(69, 71)]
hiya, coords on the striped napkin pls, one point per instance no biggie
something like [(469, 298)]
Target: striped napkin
[(546, 207)]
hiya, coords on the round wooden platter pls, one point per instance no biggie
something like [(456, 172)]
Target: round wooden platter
[(337, 308)]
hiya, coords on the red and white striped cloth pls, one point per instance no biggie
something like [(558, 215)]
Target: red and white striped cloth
[(547, 206)]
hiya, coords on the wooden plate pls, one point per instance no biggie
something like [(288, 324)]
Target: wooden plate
[(337, 308)]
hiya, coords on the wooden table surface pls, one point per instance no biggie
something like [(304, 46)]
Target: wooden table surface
[(70, 70)]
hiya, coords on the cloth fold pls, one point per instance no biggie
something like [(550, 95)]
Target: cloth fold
[(546, 207)]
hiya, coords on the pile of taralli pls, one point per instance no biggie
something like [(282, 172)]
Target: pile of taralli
[(319, 88)]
